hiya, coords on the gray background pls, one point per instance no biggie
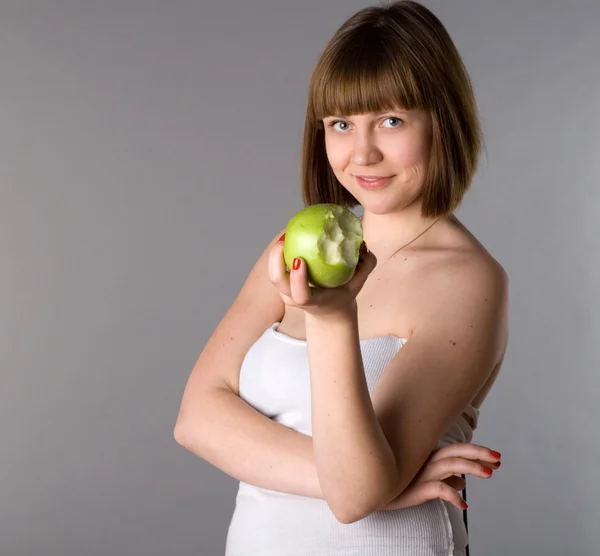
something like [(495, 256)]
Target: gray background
[(149, 151)]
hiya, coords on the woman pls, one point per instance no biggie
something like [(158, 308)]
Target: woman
[(346, 413)]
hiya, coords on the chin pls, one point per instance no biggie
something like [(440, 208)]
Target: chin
[(387, 206), (378, 207)]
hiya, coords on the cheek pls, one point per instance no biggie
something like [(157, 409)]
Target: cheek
[(335, 154), (412, 152), (411, 162)]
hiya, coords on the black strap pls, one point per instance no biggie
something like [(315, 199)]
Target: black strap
[(465, 512)]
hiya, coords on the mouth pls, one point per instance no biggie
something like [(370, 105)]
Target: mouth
[(373, 182)]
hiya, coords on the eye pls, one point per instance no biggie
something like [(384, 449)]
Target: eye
[(333, 123), (398, 121)]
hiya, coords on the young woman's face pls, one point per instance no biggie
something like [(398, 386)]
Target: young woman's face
[(394, 144)]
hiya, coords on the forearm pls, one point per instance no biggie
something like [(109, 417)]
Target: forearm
[(355, 464), (250, 447)]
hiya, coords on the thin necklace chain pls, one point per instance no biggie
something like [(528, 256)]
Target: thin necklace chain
[(405, 245)]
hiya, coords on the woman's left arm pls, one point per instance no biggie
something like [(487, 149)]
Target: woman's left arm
[(369, 448)]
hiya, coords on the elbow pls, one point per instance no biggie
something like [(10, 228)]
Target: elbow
[(182, 434), (349, 517), (179, 434), (358, 505), (184, 426), (350, 514), (345, 512)]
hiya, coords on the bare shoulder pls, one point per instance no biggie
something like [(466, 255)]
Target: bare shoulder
[(466, 264), (473, 265), (464, 282)]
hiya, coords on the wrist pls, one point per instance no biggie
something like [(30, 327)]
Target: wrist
[(341, 316)]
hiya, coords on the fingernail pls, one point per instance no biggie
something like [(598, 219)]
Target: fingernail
[(296, 264), (487, 471), (464, 505), (282, 237), (496, 455)]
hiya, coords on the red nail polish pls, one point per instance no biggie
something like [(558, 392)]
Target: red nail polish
[(282, 237), (296, 264), (464, 505), (487, 471), (496, 455)]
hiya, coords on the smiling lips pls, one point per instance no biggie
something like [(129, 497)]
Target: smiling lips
[(373, 182)]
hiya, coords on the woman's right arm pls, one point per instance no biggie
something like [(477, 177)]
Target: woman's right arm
[(217, 425)]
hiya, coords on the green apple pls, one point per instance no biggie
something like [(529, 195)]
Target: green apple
[(328, 237)]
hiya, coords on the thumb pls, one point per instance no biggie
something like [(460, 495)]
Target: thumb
[(366, 263)]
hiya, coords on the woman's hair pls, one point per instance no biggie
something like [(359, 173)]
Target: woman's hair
[(387, 57)]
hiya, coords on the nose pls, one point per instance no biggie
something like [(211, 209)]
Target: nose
[(365, 150)]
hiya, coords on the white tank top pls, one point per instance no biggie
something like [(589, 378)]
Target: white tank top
[(275, 380)]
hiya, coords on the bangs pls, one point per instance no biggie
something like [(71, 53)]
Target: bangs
[(362, 78)]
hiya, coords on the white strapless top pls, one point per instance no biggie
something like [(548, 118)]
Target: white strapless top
[(275, 380)]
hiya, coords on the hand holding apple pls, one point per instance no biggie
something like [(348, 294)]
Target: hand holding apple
[(326, 242)]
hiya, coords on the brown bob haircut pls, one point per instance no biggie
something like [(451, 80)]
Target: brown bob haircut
[(394, 56)]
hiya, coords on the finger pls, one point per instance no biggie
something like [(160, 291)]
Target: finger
[(455, 482), (424, 492), (277, 269), (491, 464), (367, 261), (447, 467), (439, 490), (466, 450), (447, 493), (299, 288)]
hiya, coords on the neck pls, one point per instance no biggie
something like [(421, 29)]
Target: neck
[(384, 233)]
